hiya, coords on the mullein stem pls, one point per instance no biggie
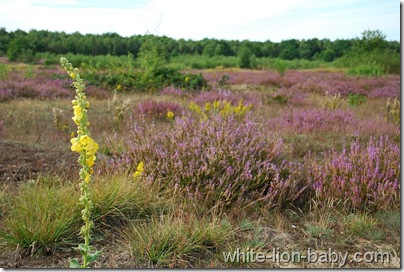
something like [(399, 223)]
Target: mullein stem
[(86, 147)]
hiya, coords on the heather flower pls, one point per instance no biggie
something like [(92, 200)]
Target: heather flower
[(225, 160), (363, 177)]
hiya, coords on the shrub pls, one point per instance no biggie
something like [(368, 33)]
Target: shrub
[(366, 70), (222, 160), (356, 99), (157, 110), (226, 95), (4, 71), (223, 108), (190, 82), (174, 91), (363, 178), (316, 120), (386, 91), (280, 66)]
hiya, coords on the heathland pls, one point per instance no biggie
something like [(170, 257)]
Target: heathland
[(202, 154)]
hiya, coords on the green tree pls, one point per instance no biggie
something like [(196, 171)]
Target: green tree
[(244, 54), (289, 49), (153, 60), (371, 40), (20, 50)]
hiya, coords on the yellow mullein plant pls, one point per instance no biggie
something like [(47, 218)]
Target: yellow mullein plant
[(86, 147)]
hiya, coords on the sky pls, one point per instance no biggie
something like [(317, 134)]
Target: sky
[(254, 20)]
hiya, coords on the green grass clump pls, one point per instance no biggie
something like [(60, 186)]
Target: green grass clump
[(176, 240), (119, 198), (41, 218), (44, 216)]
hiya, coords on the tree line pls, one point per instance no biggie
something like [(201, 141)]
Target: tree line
[(20, 45)]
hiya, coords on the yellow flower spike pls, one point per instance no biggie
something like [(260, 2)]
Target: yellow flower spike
[(87, 148), (216, 104)]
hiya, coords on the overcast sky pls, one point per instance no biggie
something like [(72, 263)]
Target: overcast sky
[(255, 20)]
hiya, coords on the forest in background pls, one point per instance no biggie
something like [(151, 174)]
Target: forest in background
[(371, 48)]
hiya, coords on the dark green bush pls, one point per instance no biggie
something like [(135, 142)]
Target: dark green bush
[(356, 99)]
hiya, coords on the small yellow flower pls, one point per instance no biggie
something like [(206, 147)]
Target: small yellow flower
[(88, 144), (90, 160), (139, 170), (170, 114), (72, 75), (86, 140), (216, 104), (208, 106), (88, 178), (76, 146), (78, 114), (118, 87)]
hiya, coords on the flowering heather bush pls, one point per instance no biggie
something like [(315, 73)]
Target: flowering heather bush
[(47, 84), (174, 91), (319, 82), (364, 178), (218, 161), (343, 122), (157, 110), (226, 95), (289, 96), (248, 77), (386, 91), (315, 120)]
